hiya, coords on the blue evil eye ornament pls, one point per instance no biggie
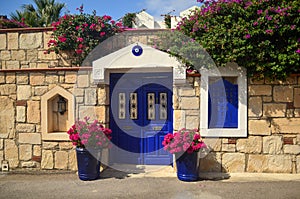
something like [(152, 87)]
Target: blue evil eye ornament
[(137, 50)]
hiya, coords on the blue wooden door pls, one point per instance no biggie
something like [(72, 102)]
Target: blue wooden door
[(223, 104), (140, 116)]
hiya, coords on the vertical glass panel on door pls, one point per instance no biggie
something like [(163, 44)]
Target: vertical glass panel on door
[(151, 106), (163, 106), (122, 106), (133, 106)]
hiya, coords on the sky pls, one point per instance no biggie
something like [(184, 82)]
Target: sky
[(114, 8)]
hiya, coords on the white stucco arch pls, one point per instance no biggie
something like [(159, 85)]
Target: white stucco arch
[(150, 60)]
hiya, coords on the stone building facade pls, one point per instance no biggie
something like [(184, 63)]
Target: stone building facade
[(30, 81)]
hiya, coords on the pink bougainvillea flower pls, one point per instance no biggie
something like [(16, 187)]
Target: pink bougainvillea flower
[(106, 17), (62, 39), (102, 34), (298, 51), (269, 31), (259, 12), (79, 39), (79, 51), (248, 36)]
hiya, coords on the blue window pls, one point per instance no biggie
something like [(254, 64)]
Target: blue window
[(222, 103)]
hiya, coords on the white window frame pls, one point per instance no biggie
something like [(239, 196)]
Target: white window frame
[(231, 70)]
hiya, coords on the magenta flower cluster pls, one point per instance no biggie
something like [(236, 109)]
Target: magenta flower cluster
[(80, 33), (183, 141), (89, 135), (260, 35)]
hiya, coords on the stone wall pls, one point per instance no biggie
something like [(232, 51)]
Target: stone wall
[(272, 145), (273, 142)]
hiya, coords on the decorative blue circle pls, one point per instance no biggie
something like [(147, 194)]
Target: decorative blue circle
[(137, 50)]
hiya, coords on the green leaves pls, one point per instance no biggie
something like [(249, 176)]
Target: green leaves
[(262, 36)]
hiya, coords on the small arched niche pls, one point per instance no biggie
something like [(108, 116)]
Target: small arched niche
[(57, 121)]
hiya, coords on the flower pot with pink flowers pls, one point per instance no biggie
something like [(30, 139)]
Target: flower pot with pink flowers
[(89, 138), (185, 145)]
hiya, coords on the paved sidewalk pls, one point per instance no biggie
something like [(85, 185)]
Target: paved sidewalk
[(148, 184)]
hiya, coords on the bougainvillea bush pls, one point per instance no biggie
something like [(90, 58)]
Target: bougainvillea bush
[(85, 134), (78, 34), (261, 35), (183, 141)]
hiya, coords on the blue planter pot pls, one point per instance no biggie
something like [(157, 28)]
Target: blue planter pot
[(88, 164), (187, 166)]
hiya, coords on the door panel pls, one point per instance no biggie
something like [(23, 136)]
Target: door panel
[(140, 116)]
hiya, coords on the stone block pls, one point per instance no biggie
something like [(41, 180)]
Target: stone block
[(186, 91), (101, 114), (12, 65), (25, 128), (50, 145), (83, 80), (7, 117), (265, 90), (8, 89), (37, 79), (30, 138), (259, 127), (278, 164), (267, 99), (65, 145), (51, 78), (47, 37), (47, 159), (228, 147), (71, 77), (79, 92), (252, 144), (297, 97), (255, 107), (72, 163), (22, 78), (189, 103), (87, 111), (283, 93), (40, 90), (233, 162), (12, 41), (211, 163), (193, 122), (21, 114), (257, 163), (214, 144), (272, 144), (61, 160), (103, 98), (11, 153), (37, 150), (179, 119), (3, 41), (33, 112), (90, 96), (274, 110), (5, 55), (291, 149), (31, 40), (18, 55), (285, 125), (2, 78), (25, 152), (10, 78), (23, 92), (32, 55)]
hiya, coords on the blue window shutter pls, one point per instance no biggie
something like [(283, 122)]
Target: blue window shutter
[(223, 106)]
